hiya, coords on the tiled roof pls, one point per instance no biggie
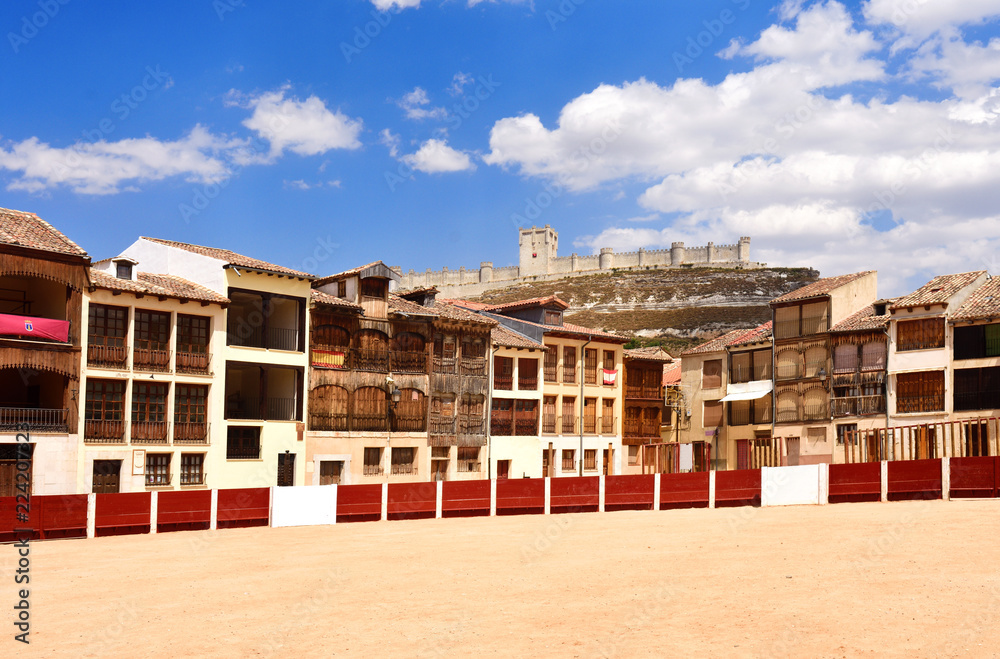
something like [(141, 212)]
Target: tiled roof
[(454, 312), (938, 290), (465, 304), (232, 258), (160, 285), (732, 338), (864, 320), (319, 297), (672, 373), (650, 353), (584, 331), (820, 287), (524, 304), (756, 335), (28, 230), (403, 292), (403, 306), (983, 303), (504, 336), (565, 328)]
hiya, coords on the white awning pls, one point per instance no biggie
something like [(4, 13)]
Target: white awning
[(748, 390)]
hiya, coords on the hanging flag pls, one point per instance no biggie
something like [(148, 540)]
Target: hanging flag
[(610, 377)]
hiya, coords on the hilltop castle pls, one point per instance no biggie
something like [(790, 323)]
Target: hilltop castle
[(538, 248)]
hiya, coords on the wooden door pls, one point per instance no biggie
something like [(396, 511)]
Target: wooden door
[(439, 470), (503, 469), (330, 472), (286, 469), (607, 462), (106, 476), (792, 449), (743, 454)]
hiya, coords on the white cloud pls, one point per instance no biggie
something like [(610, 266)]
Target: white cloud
[(969, 70), (458, 83), (386, 5), (390, 140), (919, 19), (108, 167), (301, 184), (435, 156), (415, 105), (304, 127)]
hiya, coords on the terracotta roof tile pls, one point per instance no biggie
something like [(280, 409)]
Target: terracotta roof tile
[(672, 373), (565, 328), (504, 336), (404, 306), (938, 290), (650, 353), (820, 287), (232, 258), (864, 320), (28, 230), (983, 303), (756, 335), (455, 312), (155, 284), (732, 338), (319, 297), (524, 304)]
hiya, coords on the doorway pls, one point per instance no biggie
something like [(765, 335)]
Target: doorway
[(107, 474), (330, 472), (286, 469), (792, 447)]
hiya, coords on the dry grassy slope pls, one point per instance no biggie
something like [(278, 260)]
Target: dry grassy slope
[(674, 308)]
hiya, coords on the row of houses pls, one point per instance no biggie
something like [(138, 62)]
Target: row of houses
[(840, 375), (176, 366)]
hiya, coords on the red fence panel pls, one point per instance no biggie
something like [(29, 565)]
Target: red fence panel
[(914, 479), (176, 511), (518, 496), (359, 503), (633, 492), (244, 506), (9, 521), (465, 498), (412, 500), (975, 477), (62, 516), (122, 513), (684, 490), (855, 482), (737, 488), (575, 494)]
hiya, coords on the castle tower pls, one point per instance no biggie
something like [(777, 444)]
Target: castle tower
[(538, 246), (677, 254), (607, 258), (744, 249)]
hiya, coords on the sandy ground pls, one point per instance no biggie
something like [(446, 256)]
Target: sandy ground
[(914, 579)]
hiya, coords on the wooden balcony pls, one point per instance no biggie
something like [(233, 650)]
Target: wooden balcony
[(441, 425), (150, 432), (37, 420), (642, 428), (642, 391), (472, 426), (100, 431), (191, 433), (107, 356), (858, 405), (409, 423), (328, 422), (472, 365), (404, 361), (151, 359), (194, 363)]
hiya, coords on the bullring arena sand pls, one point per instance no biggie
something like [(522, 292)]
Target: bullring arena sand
[(909, 579)]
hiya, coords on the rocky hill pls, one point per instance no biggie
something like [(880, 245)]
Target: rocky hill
[(673, 308)]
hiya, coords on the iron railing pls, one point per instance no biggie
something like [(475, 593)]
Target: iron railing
[(191, 433), (150, 432), (243, 451), (150, 359), (37, 419), (327, 421), (104, 356), (100, 431), (858, 405), (199, 363)]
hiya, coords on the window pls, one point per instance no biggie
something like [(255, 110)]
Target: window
[(470, 414), (265, 320), (590, 415), (403, 460), (106, 336), (549, 414), (123, 270), (374, 287), (342, 289), (590, 365), (608, 416), (503, 373), (845, 358), (568, 459), (977, 389), (551, 365), (527, 374), (192, 344), (157, 469), (330, 472), (373, 461), (191, 469), (569, 414), (787, 406), (814, 403), (569, 364), (525, 418), (590, 459), (149, 412), (873, 356), (553, 317), (800, 320), (633, 455), (712, 414), (468, 459), (920, 392), (739, 367), (190, 421), (610, 363), (104, 411), (152, 335), (243, 443), (502, 417), (711, 374), (923, 334), (815, 358), (473, 348), (270, 393), (977, 341), (789, 365), (843, 429)]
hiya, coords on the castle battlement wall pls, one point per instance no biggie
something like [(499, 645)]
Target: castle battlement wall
[(539, 261)]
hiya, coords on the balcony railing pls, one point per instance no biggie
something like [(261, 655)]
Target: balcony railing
[(641, 428), (549, 372), (642, 391), (158, 480), (473, 365), (905, 404), (370, 422), (468, 466), (198, 363), (443, 364), (408, 423), (281, 409), (569, 375), (191, 433), (788, 416), (568, 465), (608, 424), (38, 420), (370, 359), (988, 399), (525, 427), (527, 383), (568, 425), (150, 432), (441, 425), (502, 426), (254, 336), (472, 426), (243, 451), (549, 423), (99, 431), (406, 469), (275, 408), (858, 405), (757, 414), (150, 359), (327, 422), (405, 361), (280, 338), (373, 470), (815, 414), (590, 425), (788, 372), (193, 478), (503, 381), (103, 356)]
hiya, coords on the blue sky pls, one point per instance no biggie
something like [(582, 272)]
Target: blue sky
[(842, 136)]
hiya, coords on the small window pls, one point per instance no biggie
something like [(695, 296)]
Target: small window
[(568, 459), (711, 374), (712, 414), (923, 334), (403, 460), (157, 469), (123, 270), (609, 360), (342, 289), (243, 443), (553, 317), (590, 459), (843, 429), (191, 469), (633, 455), (373, 461)]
